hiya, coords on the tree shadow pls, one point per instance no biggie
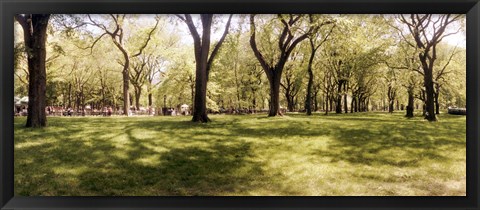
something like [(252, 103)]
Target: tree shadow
[(70, 167), (389, 145), (185, 158), (219, 169)]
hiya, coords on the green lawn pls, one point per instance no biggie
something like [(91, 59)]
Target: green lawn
[(352, 154)]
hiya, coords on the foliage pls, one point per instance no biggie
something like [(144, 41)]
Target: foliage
[(372, 52)]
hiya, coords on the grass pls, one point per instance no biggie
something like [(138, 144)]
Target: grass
[(353, 154)]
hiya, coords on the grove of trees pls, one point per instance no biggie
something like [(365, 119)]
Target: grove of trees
[(241, 63)]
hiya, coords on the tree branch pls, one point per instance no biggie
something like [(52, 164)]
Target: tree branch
[(148, 39), (93, 44), (256, 52), (193, 30), (218, 45), (22, 20), (442, 71)]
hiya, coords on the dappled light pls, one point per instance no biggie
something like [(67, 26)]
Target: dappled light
[(242, 155)]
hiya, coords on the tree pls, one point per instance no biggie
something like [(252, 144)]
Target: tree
[(292, 80), (81, 75), (161, 52), (177, 79), (291, 35), (316, 40), (403, 58), (409, 80), (341, 66), (440, 75), (35, 36), (328, 88), (138, 76), (452, 92), (204, 60), (232, 57), (117, 34), (391, 80), (362, 87), (351, 61), (427, 31), (252, 82), (153, 69), (241, 80), (337, 67), (340, 62)]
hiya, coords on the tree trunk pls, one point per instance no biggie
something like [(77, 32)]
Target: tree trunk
[(290, 102), (138, 93), (357, 104), (126, 95), (364, 105), (103, 97), (429, 91), (390, 106), (130, 98), (125, 75), (35, 37), (237, 86), (345, 101), (338, 105), (254, 100), (69, 95), (308, 102), (201, 58), (82, 95), (192, 92), (437, 104), (200, 101), (410, 103), (150, 101), (274, 108), (331, 104), (114, 101), (327, 100), (391, 99), (77, 101), (64, 99)]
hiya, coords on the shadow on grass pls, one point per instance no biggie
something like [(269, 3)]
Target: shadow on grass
[(217, 170), (398, 145), (69, 166), (173, 156)]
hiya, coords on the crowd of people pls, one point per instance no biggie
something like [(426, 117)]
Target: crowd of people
[(61, 111), (109, 111)]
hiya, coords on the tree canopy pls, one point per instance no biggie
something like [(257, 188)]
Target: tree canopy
[(253, 63)]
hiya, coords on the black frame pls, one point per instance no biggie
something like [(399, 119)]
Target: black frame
[(10, 7)]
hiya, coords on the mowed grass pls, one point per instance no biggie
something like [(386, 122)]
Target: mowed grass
[(349, 154)]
